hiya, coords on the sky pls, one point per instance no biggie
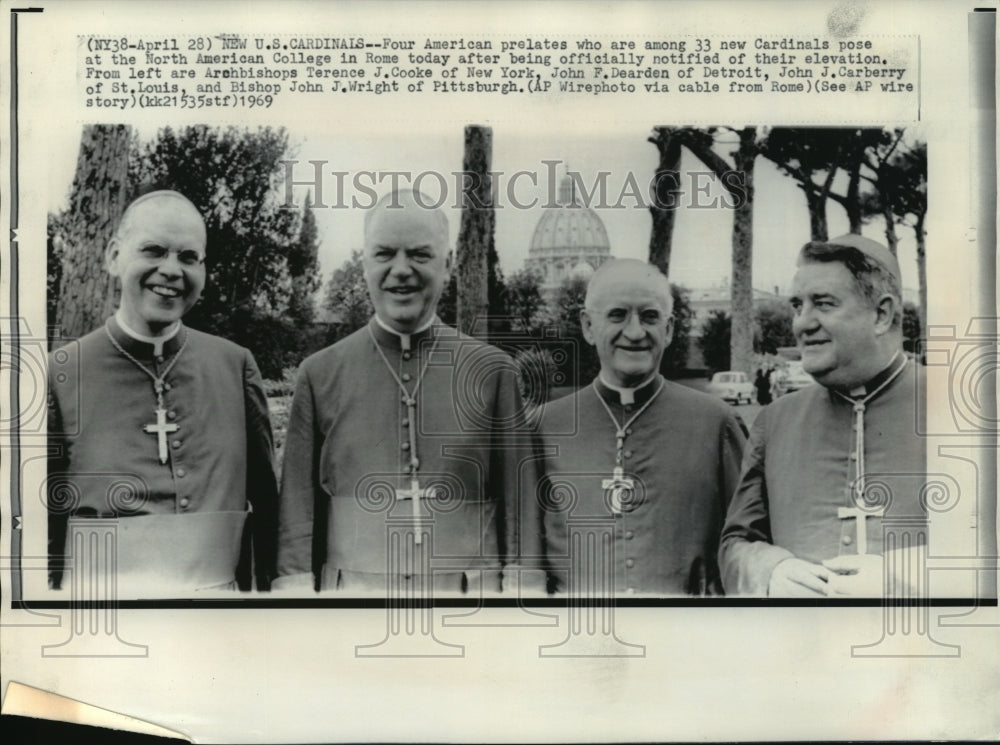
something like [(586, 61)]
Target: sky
[(702, 233)]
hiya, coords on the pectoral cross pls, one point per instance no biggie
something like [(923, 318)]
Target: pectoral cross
[(846, 513), (620, 487), (415, 493), (161, 429)]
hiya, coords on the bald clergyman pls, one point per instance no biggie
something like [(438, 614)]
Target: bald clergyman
[(161, 425), (825, 464), (656, 461), (406, 461)]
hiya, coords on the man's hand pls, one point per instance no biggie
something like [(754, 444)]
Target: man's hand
[(797, 578), (856, 575), (863, 576)]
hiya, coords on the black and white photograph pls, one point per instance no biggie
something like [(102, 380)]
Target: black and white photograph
[(537, 310), (547, 358)]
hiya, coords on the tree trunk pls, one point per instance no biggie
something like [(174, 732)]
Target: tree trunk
[(853, 202), (475, 238), (664, 208), (918, 229), (742, 325), (817, 214), (891, 239), (87, 294), (741, 335)]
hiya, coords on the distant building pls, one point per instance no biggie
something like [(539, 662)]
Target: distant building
[(569, 241)]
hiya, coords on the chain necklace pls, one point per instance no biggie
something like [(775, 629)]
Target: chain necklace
[(859, 425), (621, 488), (161, 428), (414, 493)]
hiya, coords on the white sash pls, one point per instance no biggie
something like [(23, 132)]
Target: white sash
[(169, 555)]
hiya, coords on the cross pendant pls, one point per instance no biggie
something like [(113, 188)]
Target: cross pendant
[(620, 487), (161, 429), (846, 513), (414, 493)]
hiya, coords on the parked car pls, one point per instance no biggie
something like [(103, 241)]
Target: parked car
[(733, 386), (793, 378)]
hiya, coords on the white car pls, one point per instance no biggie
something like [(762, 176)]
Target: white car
[(733, 386), (793, 378)]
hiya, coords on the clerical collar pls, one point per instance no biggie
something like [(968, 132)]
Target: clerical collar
[(388, 336), (627, 396), (146, 346), (880, 380)]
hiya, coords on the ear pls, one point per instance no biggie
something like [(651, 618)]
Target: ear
[(111, 257), (885, 311), (587, 325)]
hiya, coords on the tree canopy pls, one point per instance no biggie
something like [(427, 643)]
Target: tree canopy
[(346, 299), (773, 327), (714, 340)]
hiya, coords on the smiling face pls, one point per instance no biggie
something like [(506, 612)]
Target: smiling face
[(159, 256), (406, 264), (628, 320), (837, 328)]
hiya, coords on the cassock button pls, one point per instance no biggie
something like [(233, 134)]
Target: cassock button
[(628, 431), (629, 535), (406, 421), (847, 540), (166, 386), (184, 502), (630, 563), (407, 354), (159, 358), (406, 377), (852, 455), (181, 473), (627, 454), (175, 444), (406, 446), (171, 414)]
